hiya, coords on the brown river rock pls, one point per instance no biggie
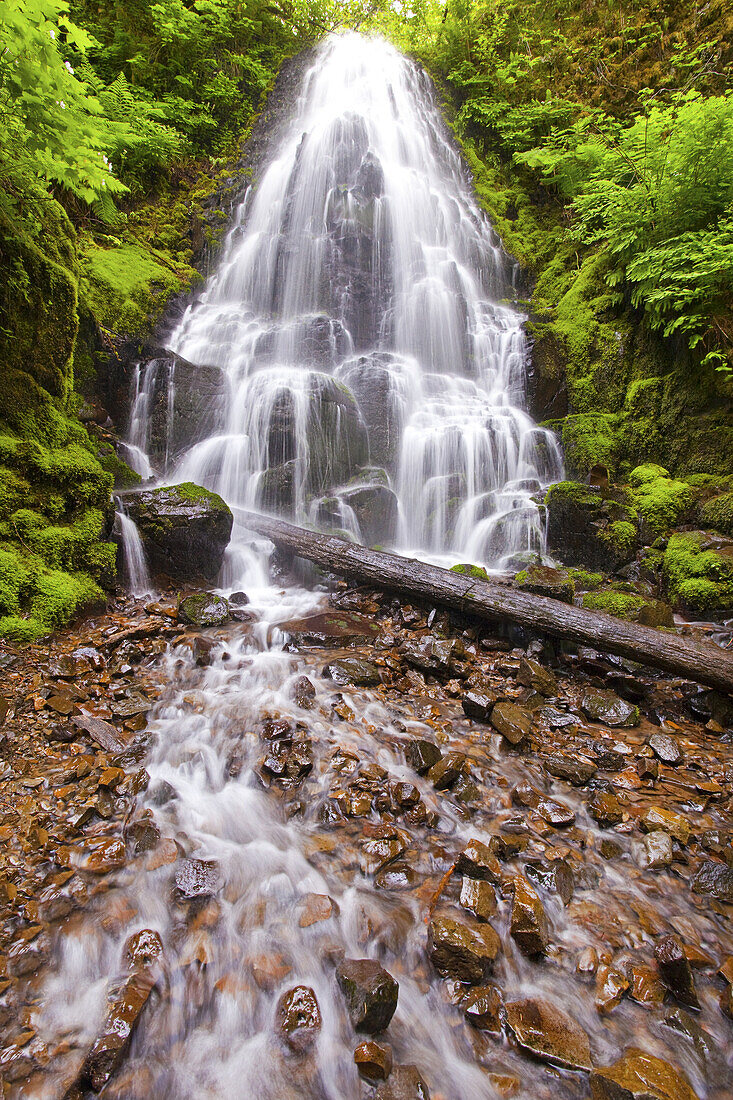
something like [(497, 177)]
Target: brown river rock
[(640, 1076), (370, 993), (511, 721), (544, 1030), (529, 923), (298, 1018), (462, 951), (124, 1009), (404, 1083)]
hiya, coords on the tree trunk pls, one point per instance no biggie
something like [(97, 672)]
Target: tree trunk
[(705, 664)]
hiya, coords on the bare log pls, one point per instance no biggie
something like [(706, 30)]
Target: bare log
[(705, 664)]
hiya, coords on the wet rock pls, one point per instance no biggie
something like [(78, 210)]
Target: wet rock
[(483, 1007), (646, 988), (573, 769), (373, 1061), (640, 1076), (682, 1022), (377, 512), (104, 733), (395, 876), (656, 817), (657, 850), (542, 580), (607, 708), (478, 897), (162, 793), (478, 704), (556, 877), (533, 675), (611, 984), (142, 834), (605, 808), (715, 880), (334, 626), (675, 970), (444, 774), (298, 1018), (304, 693), (197, 878), (125, 1006), (479, 862), (529, 922), (553, 812), (353, 670), (204, 609), (380, 850), (404, 1083), (548, 1033), (462, 951), (666, 749), (370, 993), (185, 529), (315, 908), (435, 655), (421, 755), (512, 722), (580, 527), (647, 769), (144, 949)]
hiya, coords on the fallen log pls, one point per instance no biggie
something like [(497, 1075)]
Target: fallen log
[(705, 664)]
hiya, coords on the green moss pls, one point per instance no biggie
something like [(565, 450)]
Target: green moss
[(620, 604), (661, 501), (588, 440), (474, 571), (123, 477), (21, 631), (621, 535), (696, 575), (718, 514), (584, 580), (640, 475), (192, 493), (574, 491), (58, 596)]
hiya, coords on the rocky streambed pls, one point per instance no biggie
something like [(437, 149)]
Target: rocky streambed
[(346, 847)]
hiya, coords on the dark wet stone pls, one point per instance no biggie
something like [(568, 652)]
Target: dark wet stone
[(548, 1033), (529, 923), (142, 834), (608, 759), (298, 1017), (610, 849), (555, 877), (557, 719), (304, 693), (606, 707), (682, 1022), (640, 1076), (197, 878), (512, 722), (373, 1060), (162, 793), (573, 769), (533, 675), (676, 971), (143, 949), (483, 1007), (395, 876), (478, 861), (432, 654), (443, 774), (543, 580), (124, 1009), (462, 951), (353, 670), (658, 851), (185, 529), (239, 599), (478, 897), (404, 1083), (478, 704), (666, 749), (647, 768), (370, 993), (422, 755), (605, 808), (714, 879), (204, 609), (553, 812), (335, 626)]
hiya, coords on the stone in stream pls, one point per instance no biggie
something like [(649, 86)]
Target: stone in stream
[(556, 877), (143, 949), (607, 708), (298, 1018), (197, 878), (483, 1007), (512, 722), (462, 951), (304, 693), (204, 609), (404, 1083), (656, 817), (478, 861), (335, 627), (533, 675), (370, 993), (444, 774), (714, 879), (676, 971), (421, 755), (104, 733), (353, 670), (605, 808), (431, 654), (529, 922), (640, 1076), (125, 1005), (544, 1030), (373, 1060), (478, 704), (682, 1022), (315, 908), (185, 529), (573, 769), (657, 850), (666, 749), (478, 897), (549, 809)]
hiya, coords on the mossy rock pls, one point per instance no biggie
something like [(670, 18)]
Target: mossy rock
[(589, 528), (204, 609), (662, 502), (718, 514), (625, 605), (475, 571), (542, 580), (698, 572)]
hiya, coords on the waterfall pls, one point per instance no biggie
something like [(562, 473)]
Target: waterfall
[(133, 555), (366, 363)]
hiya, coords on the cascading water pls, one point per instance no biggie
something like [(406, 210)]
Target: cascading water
[(363, 355), (135, 568)]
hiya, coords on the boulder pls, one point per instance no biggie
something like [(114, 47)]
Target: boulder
[(640, 1076), (370, 380), (548, 1033), (370, 993), (185, 529), (204, 609), (125, 1005), (588, 528), (377, 512), (336, 434), (404, 1083), (199, 401), (543, 580), (422, 755), (462, 951), (353, 670)]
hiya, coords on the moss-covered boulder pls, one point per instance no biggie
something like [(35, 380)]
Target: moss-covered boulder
[(662, 502), (545, 581), (717, 514), (586, 527), (185, 529), (376, 510), (204, 609), (698, 572), (627, 605)]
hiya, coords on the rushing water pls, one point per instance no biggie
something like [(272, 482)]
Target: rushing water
[(135, 569), (363, 360)]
